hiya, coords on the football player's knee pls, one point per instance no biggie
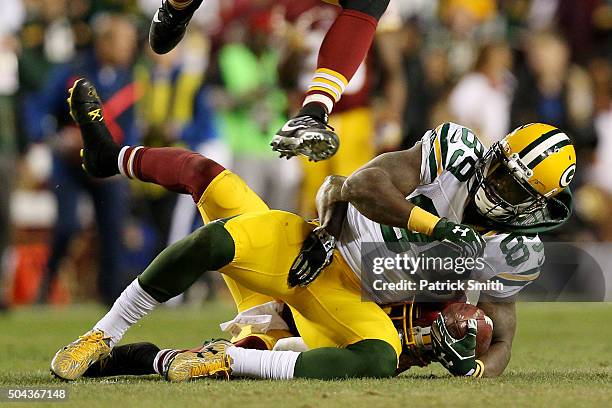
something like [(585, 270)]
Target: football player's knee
[(378, 358), (230, 196), (213, 245), (198, 173), (383, 366), (374, 8)]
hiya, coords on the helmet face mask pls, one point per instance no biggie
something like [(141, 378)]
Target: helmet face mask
[(520, 184), (500, 190)]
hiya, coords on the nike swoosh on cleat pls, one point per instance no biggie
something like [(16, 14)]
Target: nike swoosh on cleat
[(156, 17), (288, 128)]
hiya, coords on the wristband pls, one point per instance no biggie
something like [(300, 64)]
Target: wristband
[(422, 221)]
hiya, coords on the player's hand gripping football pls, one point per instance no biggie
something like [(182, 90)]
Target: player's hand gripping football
[(463, 238), (317, 252), (458, 356)]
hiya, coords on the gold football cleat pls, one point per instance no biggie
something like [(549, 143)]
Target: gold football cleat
[(209, 361), (70, 362)]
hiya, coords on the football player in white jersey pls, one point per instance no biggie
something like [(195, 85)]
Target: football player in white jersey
[(503, 196), (446, 188)]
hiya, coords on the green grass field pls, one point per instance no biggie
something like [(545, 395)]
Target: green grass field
[(562, 358)]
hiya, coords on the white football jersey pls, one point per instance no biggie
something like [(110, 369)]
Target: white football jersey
[(449, 155)]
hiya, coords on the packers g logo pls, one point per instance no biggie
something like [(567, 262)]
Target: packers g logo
[(567, 176)]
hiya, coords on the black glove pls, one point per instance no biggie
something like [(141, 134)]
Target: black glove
[(317, 252), (463, 238)]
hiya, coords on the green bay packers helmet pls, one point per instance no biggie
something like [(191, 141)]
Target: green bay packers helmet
[(519, 173)]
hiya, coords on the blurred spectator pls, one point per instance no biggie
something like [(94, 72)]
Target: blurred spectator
[(10, 22), (467, 25), (387, 59), (601, 72), (47, 40), (427, 74), (552, 90), (175, 110), (252, 106), (109, 66), (587, 25), (481, 99)]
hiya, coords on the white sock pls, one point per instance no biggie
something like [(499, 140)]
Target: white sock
[(131, 306), (273, 365)]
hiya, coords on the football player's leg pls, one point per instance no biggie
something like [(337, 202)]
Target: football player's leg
[(175, 169), (265, 246), (172, 272), (170, 23), (372, 351), (344, 48), (368, 358), (129, 359), (227, 196), (211, 247), (329, 313), (218, 192), (257, 250)]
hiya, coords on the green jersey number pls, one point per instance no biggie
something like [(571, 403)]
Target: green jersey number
[(515, 250), (461, 166)]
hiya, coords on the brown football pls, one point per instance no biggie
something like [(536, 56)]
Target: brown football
[(456, 316)]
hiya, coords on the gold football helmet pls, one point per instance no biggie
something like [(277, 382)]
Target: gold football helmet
[(519, 173)]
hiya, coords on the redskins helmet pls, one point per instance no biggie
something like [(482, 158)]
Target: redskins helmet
[(522, 171)]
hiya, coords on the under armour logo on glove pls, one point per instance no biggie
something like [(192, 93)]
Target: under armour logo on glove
[(317, 252), (463, 231), (462, 238), (458, 356)]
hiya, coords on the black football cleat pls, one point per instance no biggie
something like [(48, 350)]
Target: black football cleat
[(100, 152), (169, 26), (85, 104), (308, 136)]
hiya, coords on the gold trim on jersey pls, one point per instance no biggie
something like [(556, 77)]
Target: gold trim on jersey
[(438, 155), (519, 278)]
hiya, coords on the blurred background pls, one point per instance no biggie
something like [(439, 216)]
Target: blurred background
[(240, 72)]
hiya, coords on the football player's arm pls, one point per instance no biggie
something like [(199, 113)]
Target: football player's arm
[(503, 314), (330, 206), (378, 189)]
